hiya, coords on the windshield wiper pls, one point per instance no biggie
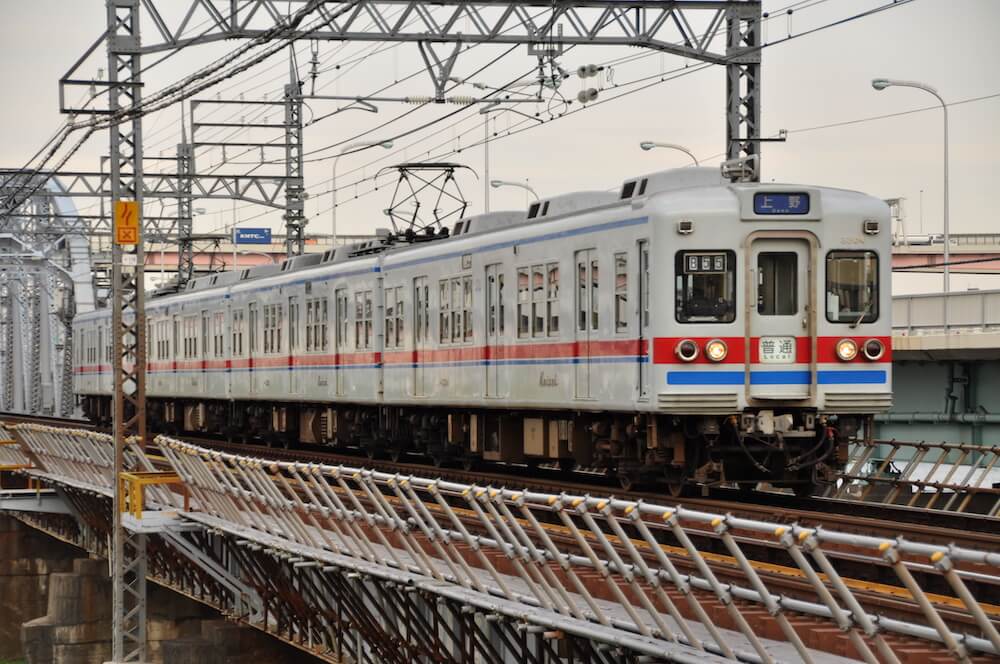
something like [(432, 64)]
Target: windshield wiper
[(864, 313)]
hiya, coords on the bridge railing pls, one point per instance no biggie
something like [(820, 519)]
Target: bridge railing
[(650, 580), (952, 477), (970, 311), (582, 564)]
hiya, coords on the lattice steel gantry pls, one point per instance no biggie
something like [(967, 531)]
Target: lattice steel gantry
[(128, 550)]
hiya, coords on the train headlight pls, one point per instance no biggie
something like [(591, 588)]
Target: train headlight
[(874, 349), (687, 350), (716, 350), (847, 349)]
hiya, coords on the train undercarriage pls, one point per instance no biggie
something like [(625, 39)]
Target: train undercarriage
[(794, 449)]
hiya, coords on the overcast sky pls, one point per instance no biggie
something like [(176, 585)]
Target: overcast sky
[(818, 79)]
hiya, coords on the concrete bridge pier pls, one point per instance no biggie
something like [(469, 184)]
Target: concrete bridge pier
[(56, 604)]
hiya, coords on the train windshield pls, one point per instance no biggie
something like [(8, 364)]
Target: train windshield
[(706, 287), (852, 287)]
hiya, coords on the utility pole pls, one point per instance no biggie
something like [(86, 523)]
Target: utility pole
[(128, 324)]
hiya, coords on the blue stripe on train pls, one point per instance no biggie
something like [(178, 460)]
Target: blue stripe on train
[(828, 377)]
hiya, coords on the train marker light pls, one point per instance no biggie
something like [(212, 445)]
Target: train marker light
[(874, 349), (687, 350), (847, 349), (716, 350)]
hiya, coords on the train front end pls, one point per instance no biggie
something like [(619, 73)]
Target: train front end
[(773, 338)]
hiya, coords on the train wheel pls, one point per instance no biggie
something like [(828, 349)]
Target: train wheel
[(628, 480), (396, 453), (469, 463), (675, 488)]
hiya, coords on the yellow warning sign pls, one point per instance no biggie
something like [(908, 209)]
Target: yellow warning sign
[(126, 222)]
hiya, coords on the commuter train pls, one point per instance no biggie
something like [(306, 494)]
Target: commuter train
[(684, 329)]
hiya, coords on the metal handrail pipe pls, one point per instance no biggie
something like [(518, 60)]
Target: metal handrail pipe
[(550, 500)]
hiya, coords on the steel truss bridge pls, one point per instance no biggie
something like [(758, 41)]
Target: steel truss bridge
[(353, 565)]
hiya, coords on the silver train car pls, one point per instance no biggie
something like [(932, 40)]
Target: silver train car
[(682, 330)]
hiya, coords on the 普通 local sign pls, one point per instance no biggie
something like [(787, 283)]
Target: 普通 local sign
[(252, 236)]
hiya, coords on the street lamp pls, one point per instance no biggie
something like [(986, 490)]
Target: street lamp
[(333, 181), (496, 184), (649, 145), (882, 84)]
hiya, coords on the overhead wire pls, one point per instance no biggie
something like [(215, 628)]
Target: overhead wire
[(683, 71), (170, 95)]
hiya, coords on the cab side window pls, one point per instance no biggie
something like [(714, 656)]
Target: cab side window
[(705, 286)]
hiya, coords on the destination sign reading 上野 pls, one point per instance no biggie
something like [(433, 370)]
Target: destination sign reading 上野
[(772, 202)]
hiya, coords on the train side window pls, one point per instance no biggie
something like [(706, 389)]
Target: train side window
[(538, 301), (421, 310), (267, 334), (252, 345), (237, 332), (293, 324), (279, 327), (456, 310), (341, 325), (324, 321), (523, 303), (777, 283), (852, 287), (467, 308), (310, 314), (273, 324), (500, 304), (390, 317), (595, 300), (621, 292), (705, 287), (362, 320), (552, 299), (218, 330), (394, 317), (204, 333), (644, 280), (359, 321), (444, 312)]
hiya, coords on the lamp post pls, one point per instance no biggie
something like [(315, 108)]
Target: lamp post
[(496, 184), (333, 181), (882, 84), (649, 145)]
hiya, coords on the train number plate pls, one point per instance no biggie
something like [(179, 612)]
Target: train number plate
[(777, 350)]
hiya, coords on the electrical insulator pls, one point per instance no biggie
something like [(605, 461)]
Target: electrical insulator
[(586, 71), (586, 96)]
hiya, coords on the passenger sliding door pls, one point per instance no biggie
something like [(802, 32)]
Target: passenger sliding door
[(421, 333), (496, 339), (587, 319), (645, 343)]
